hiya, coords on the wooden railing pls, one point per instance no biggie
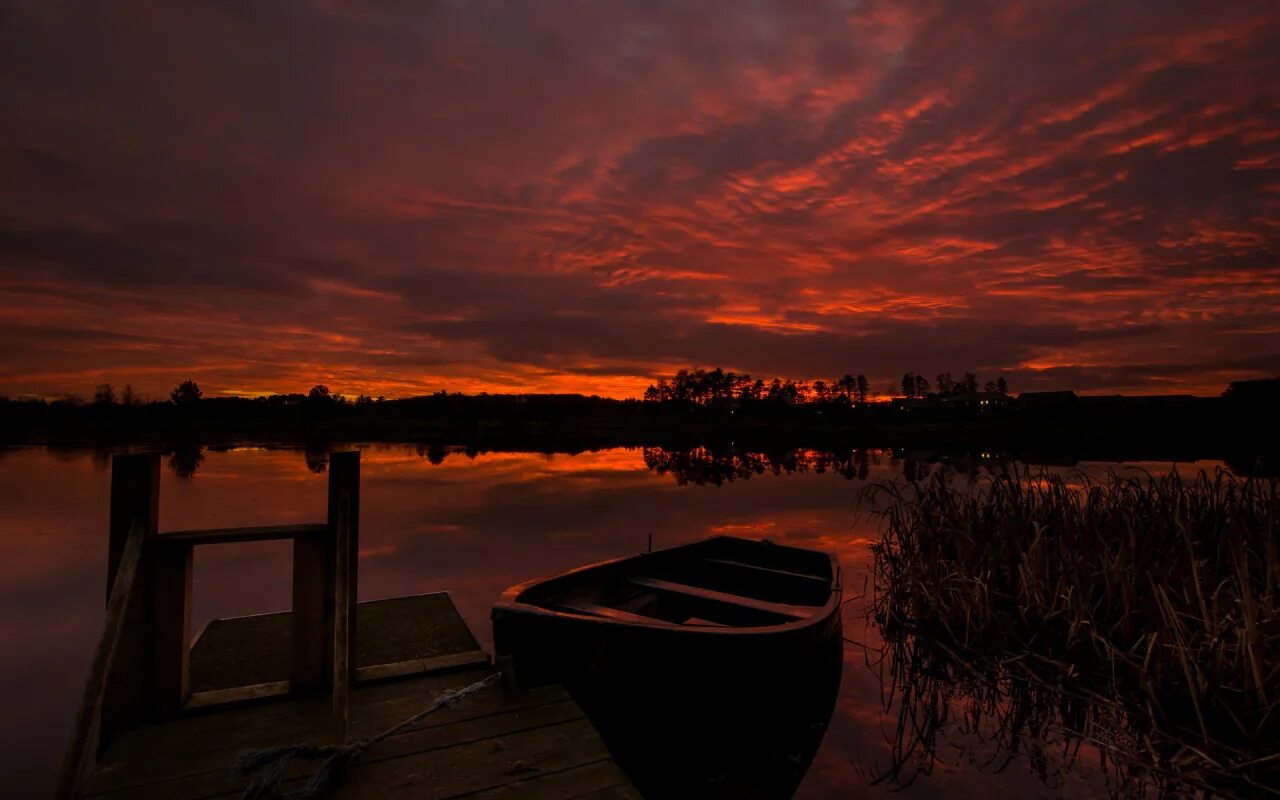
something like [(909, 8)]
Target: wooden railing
[(141, 667), (87, 727)]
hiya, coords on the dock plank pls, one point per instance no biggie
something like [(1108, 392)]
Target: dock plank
[(478, 765), (181, 774), (494, 745), (491, 759), (309, 719), (624, 791), (259, 649), (600, 780)]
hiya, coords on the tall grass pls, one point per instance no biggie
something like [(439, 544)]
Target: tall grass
[(1149, 607)]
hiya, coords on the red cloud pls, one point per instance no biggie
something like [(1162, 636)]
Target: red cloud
[(492, 198)]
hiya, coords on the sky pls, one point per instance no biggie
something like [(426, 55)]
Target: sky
[(584, 196)]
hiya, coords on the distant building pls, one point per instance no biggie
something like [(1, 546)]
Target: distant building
[(979, 400), (908, 403), (1047, 399)]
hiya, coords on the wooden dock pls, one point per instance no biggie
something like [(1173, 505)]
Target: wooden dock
[(159, 721)]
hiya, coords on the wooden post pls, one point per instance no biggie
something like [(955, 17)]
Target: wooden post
[(344, 509), (170, 591), (135, 495), (342, 622)]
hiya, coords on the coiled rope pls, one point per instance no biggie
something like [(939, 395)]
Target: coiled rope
[(334, 759)]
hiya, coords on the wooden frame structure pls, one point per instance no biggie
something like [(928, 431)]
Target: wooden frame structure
[(140, 669)]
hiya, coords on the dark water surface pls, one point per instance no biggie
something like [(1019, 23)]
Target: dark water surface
[(472, 525)]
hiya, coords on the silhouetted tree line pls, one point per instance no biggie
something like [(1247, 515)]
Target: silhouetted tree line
[(695, 407), (916, 385), (713, 387)]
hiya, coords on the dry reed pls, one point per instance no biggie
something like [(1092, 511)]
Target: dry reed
[(1139, 615)]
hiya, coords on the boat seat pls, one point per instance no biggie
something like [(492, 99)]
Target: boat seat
[(768, 570), (699, 622), (781, 609), (597, 610)]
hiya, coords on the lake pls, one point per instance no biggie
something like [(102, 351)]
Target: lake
[(473, 524)]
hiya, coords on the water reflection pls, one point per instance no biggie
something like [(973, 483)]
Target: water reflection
[(1079, 625), (717, 466), (474, 523), (317, 457), (944, 710), (704, 466), (186, 459), (698, 466)]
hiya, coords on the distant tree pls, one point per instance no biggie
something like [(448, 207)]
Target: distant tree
[(909, 384), (747, 389), (820, 393), (1257, 394), (970, 382), (660, 393), (127, 397), (186, 394), (862, 387), (104, 395), (922, 386), (946, 385), (847, 386), (319, 392), (1002, 386), (989, 387)]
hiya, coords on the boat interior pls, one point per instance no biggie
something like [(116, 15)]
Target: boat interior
[(717, 583)]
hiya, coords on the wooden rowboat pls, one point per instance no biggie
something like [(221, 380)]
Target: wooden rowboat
[(717, 600), (711, 669)]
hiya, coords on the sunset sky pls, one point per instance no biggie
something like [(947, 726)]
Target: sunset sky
[(582, 196)]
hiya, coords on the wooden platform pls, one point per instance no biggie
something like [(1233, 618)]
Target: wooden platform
[(400, 635), (494, 744), (161, 717)]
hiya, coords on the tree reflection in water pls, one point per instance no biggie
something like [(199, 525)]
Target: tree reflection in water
[(185, 459), (703, 465)]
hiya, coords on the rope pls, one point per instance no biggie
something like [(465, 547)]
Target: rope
[(271, 763)]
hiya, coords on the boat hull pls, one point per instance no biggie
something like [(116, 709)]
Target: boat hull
[(687, 710)]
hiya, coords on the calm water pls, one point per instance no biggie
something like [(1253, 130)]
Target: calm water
[(472, 524)]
